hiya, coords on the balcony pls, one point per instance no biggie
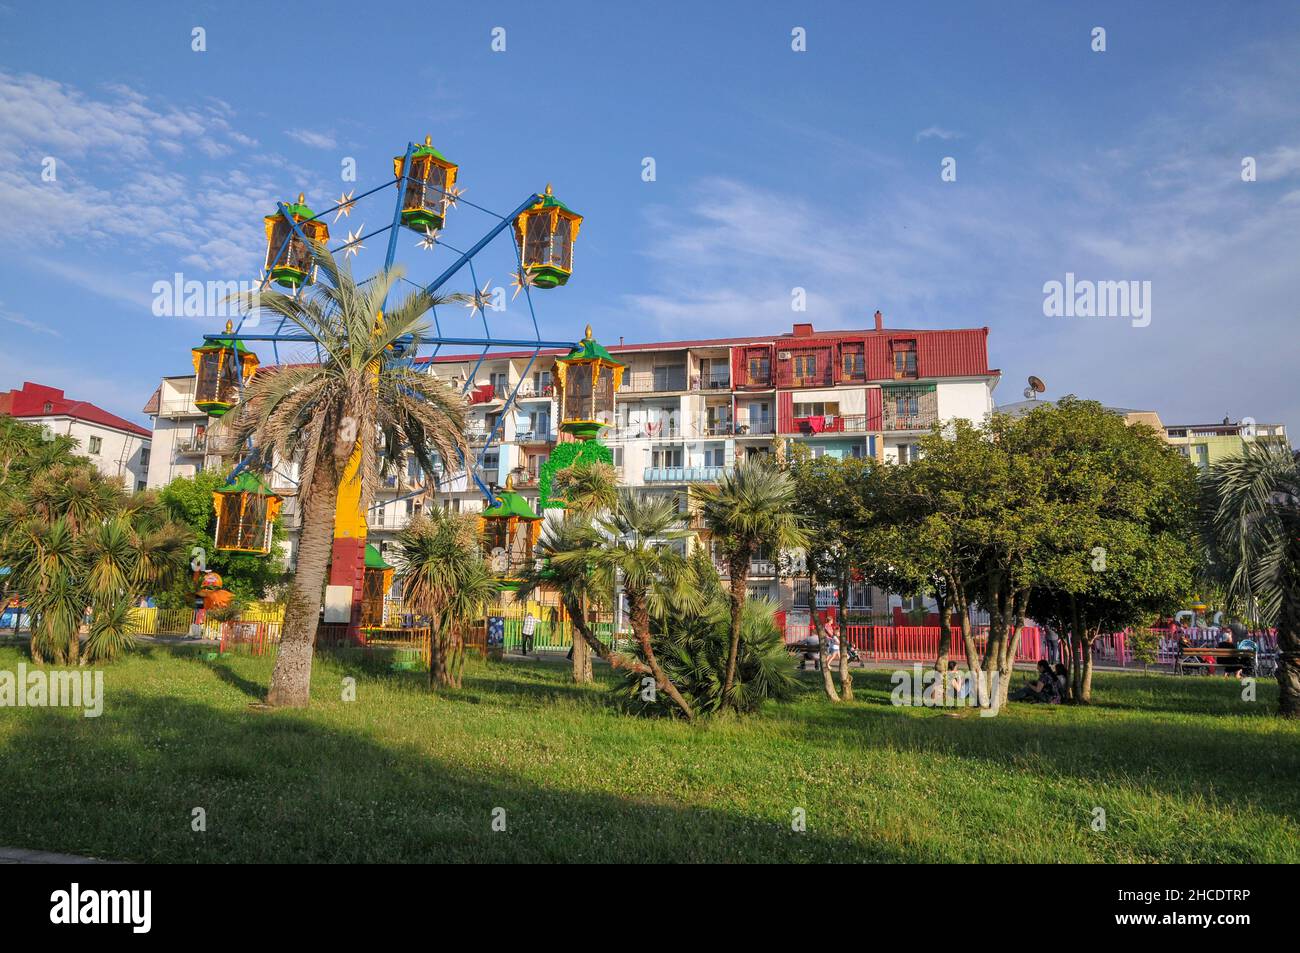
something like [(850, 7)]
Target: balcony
[(660, 381), (711, 382), (755, 426), (684, 474), (180, 408), (383, 520), (192, 445), (535, 436), (831, 424), (530, 391)]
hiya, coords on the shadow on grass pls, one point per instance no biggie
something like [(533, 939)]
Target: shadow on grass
[(286, 787)]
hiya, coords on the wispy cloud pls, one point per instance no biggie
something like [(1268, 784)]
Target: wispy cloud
[(937, 132), (314, 139)]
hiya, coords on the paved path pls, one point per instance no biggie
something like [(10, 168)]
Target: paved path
[(19, 855)]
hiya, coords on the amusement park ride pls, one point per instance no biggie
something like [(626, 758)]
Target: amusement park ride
[(424, 182)]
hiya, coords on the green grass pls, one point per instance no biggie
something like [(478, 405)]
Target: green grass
[(1183, 768)]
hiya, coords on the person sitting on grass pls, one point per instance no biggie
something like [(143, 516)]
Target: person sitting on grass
[(1062, 679), (1044, 690)]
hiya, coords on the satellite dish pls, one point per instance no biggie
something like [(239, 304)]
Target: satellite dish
[(1035, 388)]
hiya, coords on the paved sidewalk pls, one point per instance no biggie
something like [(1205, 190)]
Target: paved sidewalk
[(19, 855)]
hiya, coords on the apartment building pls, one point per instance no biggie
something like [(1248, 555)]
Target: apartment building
[(685, 413), (1207, 444), (689, 410), (119, 448)]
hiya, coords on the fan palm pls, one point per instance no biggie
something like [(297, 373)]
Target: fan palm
[(445, 578), (1252, 518), (751, 508), (344, 408), (631, 544)]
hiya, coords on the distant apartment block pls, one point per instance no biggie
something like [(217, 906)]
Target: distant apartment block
[(118, 448), (1207, 444)]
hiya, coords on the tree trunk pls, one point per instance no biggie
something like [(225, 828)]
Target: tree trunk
[(945, 630), (828, 683), (291, 678), (581, 654), (739, 571), (1288, 639), (1078, 638), (640, 616), (846, 677), (1085, 679)]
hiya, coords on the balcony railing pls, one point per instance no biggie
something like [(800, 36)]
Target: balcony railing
[(755, 426), (831, 423), (711, 382), (180, 408), (192, 445), (662, 382), (684, 474), (535, 436)]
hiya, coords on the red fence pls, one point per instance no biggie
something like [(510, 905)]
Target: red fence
[(919, 643)]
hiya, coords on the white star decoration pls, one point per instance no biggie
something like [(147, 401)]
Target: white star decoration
[(429, 240), (480, 300), (354, 241), (345, 205), (452, 195), (521, 280)]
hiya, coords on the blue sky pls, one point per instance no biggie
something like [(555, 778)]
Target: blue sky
[(775, 169)]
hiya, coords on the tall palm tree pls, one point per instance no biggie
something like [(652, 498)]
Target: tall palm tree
[(351, 402), (587, 489), (750, 508), (632, 544), (444, 577), (1252, 516)]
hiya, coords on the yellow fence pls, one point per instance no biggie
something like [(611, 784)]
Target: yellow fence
[(154, 621)]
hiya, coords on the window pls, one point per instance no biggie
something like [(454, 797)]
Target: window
[(715, 457), (760, 368), (817, 408), (907, 405), (805, 367), (904, 358), (618, 456), (541, 381), (96, 444), (853, 362), (909, 452), (818, 452), (144, 456), (858, 451), (666, 457)]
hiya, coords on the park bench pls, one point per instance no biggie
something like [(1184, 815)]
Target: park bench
[(1204, 657)]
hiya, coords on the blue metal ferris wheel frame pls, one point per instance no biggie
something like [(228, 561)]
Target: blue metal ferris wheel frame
[(406, 348)]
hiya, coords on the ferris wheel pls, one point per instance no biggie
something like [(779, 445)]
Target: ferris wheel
[(424, 188)]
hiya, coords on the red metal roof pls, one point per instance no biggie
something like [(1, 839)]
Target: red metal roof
[(959, 352), (38, 400)]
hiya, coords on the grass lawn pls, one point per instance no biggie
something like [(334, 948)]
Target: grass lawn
[(1184, 769)]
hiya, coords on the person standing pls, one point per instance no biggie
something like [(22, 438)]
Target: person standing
[(1053, 639), (529, 630)]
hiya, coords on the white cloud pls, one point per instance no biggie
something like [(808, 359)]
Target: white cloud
[(937, 132), (316, 140)]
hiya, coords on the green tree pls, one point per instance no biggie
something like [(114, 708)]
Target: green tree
[(587, 488), (355, 401), (445, 579), (750, 508), (1117, 536), (1251, 521), (75, 542), (632, 545)]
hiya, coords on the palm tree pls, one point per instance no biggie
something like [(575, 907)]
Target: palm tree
[(632, 544), (337, 411), (587, 489), (751, 508), (75, 541), (445, 578), (1252, 518)]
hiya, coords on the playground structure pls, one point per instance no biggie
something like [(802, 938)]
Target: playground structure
[(425, 191)]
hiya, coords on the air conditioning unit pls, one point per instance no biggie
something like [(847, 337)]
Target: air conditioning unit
[(783, 355)]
